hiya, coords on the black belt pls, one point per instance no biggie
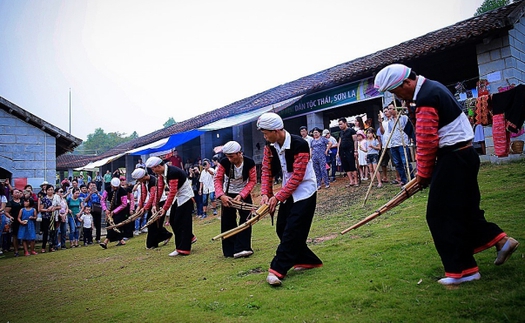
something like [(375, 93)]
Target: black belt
[(455, 147)]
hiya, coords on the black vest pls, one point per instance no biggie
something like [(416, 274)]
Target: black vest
[(436, 95), (248, 164), (115, 200), (297, 145), (176, 173)]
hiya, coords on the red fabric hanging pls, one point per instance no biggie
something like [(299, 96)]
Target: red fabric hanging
[(500, 136)]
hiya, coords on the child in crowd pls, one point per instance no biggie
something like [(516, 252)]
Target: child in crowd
[(363, 164), (6, 233), (372, 155), (87, 225), (26, 232)]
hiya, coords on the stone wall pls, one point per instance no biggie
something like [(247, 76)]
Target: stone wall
[(502, 61), (26, 151)]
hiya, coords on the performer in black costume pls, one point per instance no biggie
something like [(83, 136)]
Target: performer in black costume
[(118, 202), (156, 231)]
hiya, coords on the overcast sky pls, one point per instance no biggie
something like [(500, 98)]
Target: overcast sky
[(131, 65)]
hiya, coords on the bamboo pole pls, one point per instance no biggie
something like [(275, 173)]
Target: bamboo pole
[(408, 190), (379, 163), (257, 215)]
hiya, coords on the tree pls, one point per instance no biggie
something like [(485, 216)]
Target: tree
[(489, 5), (134, 135), (99, 141), (170, 122)]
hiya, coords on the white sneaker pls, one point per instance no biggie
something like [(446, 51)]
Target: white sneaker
[(273, 280), (508, 248), (456, 281), (136, 233), (145, 230), (173, 254), (245, 253), (165, 242)]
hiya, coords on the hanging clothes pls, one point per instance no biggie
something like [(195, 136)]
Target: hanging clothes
[(512, 104), (500, 136), (482, 111)]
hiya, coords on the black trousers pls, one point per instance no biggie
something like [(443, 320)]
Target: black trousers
[(181, 224), (241, 241), (294, 220), (44, 227), (88, 235), (157, 233), (457, 224), (97, 221), (113, 235)]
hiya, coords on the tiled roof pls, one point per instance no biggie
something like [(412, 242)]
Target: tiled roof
[(468, 30), (67, 161)]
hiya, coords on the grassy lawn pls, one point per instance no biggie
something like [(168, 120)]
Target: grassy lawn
[(385, 271)]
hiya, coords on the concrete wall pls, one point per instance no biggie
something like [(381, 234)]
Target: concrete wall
[(503, 59), (26, 151)]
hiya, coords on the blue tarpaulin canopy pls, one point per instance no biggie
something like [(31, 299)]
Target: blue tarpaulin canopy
[(172, 142), (183, 137)]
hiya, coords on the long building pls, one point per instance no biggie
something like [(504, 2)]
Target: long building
[(490, 46)]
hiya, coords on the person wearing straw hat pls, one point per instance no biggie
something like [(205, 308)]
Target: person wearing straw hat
[(157, 233), (447, 163), (179, 202), (235, 179), (298, 196)]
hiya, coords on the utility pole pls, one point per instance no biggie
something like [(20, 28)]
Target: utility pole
[(69, 110)]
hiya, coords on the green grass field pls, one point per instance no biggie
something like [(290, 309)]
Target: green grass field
[(385, 271)]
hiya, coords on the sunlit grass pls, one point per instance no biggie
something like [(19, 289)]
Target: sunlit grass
[(385, 271)]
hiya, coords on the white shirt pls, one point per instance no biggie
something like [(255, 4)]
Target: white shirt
[(457, 131), (386, 135), (236, 184), (184, 193), (309, 140), (207, 180), (399, 137), (333, 141), (308, 185), (87, 221)]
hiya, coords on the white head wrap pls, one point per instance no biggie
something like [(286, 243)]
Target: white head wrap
[(115, 182), (270, 121), (391, 77), (231, 147), (153, 161), (138, 173)]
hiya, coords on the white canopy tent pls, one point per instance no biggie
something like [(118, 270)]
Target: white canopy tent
[(166, 144)]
